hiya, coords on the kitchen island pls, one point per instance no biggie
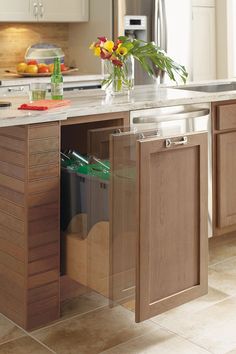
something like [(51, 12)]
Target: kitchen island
[(30, 145)]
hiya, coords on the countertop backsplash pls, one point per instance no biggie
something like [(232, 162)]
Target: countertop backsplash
[(15, 38)]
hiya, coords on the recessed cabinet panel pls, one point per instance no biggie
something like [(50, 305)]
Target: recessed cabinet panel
[(44, 11), (226, 181), (16, 10), (67, 11), (172, 236)]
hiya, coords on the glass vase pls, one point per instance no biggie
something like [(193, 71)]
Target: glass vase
[(118, 80)]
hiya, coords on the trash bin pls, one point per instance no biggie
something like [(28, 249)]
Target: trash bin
[(84, 190)]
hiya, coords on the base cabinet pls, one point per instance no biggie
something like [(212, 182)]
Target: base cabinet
[(140, 239), (224, 167)]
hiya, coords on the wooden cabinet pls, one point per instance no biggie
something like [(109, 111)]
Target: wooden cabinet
[(44, 11), (151, 248), (160, 241), (204, 43), (224, 167)]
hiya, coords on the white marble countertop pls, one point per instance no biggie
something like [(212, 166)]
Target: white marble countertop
[(95, 101)]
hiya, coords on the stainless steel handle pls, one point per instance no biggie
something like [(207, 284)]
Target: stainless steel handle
[(185, 115), (147, 136), (15, 89), (41, 8), (35, 11), (155, 23), (164, 25), (169, 142)]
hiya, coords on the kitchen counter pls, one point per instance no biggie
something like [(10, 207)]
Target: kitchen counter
[(92, 102), (30, 181), (12, 80)]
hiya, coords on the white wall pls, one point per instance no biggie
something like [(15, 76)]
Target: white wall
[(225, 35), (81, 35)]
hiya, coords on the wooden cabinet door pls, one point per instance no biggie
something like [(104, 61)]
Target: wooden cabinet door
[(172, 253), (225, 180), (17, 11), (68, 11)]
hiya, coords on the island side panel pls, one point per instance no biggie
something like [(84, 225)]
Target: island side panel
[(43, 224), (13, 266), (29, 223)]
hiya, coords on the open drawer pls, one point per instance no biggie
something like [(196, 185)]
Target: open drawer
[(150, 253)]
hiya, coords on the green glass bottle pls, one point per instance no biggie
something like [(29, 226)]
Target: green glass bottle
[(57, 81)]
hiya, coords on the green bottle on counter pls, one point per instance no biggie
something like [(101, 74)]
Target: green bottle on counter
[(57, 81)]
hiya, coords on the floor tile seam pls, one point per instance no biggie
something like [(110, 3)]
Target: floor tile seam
[(60, 321), (220, 262), (11, 340), (131, 339), (41, 343), (187, 339), (26, 334)]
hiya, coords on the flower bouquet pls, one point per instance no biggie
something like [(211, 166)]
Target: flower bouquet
[(118, 58)]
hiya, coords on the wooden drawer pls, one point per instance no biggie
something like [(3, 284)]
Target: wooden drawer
[(226, 117)]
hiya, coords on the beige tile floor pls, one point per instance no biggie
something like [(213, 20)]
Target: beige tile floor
[(89, 326)]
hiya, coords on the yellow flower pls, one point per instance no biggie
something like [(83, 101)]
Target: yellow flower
[(121, 50), (108, 45), (97, 51), (92, 45)]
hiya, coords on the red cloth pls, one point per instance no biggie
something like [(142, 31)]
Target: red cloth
[(43, 105)]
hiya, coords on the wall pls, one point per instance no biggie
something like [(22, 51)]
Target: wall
[(82, 34), (15, 38)]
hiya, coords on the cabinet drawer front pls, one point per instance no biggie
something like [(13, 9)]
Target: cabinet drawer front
[(172, 240), (226, 117)]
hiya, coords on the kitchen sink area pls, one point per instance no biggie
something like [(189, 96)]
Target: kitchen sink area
[(210, 88)]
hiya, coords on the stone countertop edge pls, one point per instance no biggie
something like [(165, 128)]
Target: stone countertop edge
[(91, 102)]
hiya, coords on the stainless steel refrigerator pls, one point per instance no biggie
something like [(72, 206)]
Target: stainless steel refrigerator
[(166, 22)]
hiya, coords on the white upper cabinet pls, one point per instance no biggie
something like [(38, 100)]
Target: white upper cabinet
[(18, 10), (66, 11), (44, 10)]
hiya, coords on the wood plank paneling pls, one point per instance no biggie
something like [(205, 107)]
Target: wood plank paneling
[(29, 223), (41, 186), (43, 158), (43, 251), (13, 144), (37, 280), (39, 131), (43, 145), (10, 247), (12, 237), (42, 292), (12, 183), (12, 170), (43, 171), (41, 239), (43, 265), (12, 157), (12, 209), (14, 132)]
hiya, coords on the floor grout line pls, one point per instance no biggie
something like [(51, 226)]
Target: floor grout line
[(68, 318), (220, 262), (185, 338), (26, 334), (11, 340)]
